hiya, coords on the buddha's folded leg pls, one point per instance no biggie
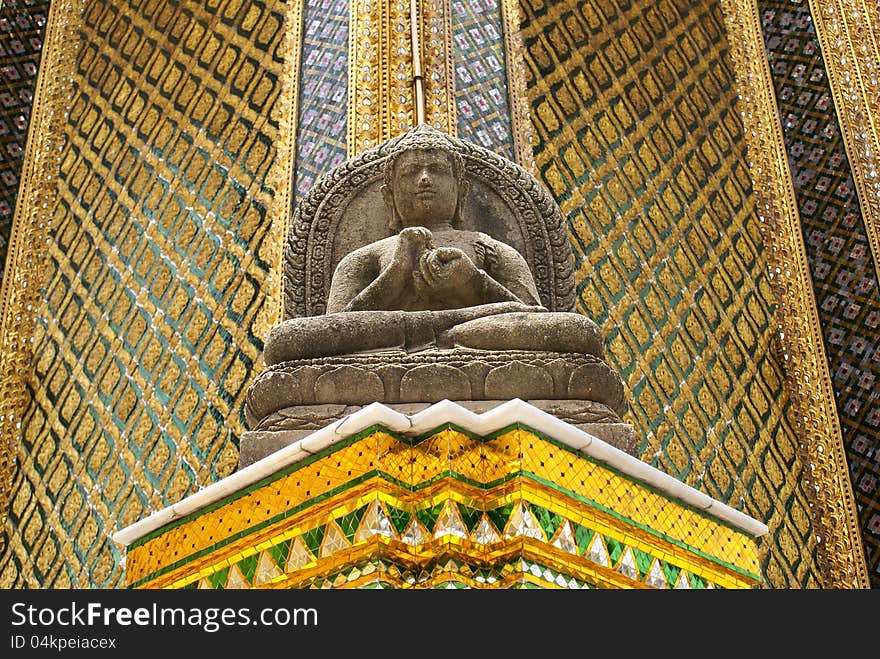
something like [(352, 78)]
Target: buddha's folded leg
[(350, 332), (334, 334), (541, 332)]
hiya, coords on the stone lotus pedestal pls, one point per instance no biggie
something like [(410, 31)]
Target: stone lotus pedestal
[(291, 400), (446, 498)]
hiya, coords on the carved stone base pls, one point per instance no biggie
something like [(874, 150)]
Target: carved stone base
[(293, 423), (392, 377)]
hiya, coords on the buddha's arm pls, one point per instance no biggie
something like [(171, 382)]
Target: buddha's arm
[(359, 285), (489, 290), (507, 275)]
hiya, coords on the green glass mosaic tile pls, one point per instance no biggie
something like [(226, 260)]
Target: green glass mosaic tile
[(548, 520), (218, 579), (499, 516), (313, 539), (470, 516), (280, 552), (671, 573), (583, 536), (643, 562), (697, 582), (399, 518), (349, 523), (428, 516), (615, 549), (248, 566)]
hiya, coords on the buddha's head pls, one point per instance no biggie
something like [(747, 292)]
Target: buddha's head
[(424, 183)]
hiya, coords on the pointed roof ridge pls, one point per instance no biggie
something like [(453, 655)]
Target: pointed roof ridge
[(445, 411)]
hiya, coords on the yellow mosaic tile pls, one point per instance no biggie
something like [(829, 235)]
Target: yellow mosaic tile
[(337, 552), (612, 491)]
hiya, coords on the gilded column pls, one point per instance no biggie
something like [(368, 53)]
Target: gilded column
[(436, 37), (800, 336), (29, 237), (516, 77), (848, 36), (394, 48)]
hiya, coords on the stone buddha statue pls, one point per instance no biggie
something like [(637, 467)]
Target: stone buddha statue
[(432, 284), (426, 269)]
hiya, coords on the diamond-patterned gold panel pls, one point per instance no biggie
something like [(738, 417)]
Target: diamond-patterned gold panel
[(353, 516), (638, 137), (162, 255), (160, 280)]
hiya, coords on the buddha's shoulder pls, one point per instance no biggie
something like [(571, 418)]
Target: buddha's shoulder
[(377, 248), (489, 241)]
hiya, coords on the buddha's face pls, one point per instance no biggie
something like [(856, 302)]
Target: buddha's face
[(425, 188)]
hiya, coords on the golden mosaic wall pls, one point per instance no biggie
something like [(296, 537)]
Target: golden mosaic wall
[(639, 136), (160, 278)]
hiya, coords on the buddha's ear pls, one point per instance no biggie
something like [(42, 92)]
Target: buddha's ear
[(463, 188), (394, 223), (388, 196)]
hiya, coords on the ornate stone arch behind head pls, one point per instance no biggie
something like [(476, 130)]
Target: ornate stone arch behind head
[(344, 210)]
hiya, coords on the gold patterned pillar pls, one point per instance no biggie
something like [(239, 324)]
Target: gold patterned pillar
[(800, 337), (388, 51), (516, 81), (849, 36), (29, 239)]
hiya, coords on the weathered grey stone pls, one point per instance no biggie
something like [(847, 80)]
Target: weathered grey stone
[(619, 435), (422, 383), (349, 384), (257, 444), (429, 269), (557, 332), (288, 388), (518, 380), (392, 367), (596, 382)]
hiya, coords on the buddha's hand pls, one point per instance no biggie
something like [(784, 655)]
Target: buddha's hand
[(412, 243), (446, 271)]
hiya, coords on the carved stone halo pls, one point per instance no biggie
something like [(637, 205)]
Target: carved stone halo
[(344, 210)]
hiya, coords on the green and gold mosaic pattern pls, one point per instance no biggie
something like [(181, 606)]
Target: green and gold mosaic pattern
[(159, 278), (843, 271), (448, 509), (638, 138)]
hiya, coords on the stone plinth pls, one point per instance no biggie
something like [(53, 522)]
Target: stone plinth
[(294, 423), (445, 497), (289, 400)]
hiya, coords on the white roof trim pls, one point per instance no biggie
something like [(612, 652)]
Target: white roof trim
[(506, 414)]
